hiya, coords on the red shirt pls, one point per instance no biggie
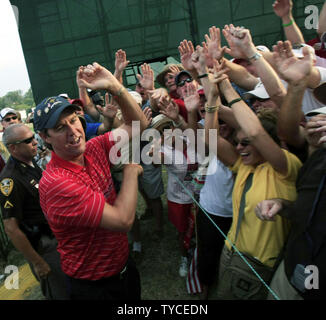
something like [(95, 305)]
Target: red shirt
[(322, 52), (72, 198)]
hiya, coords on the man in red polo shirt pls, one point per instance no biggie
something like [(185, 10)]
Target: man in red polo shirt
[(78, 197)]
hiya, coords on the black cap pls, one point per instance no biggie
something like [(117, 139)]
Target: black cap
[(181, 73)]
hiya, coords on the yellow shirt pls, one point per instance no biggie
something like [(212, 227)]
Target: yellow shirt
[(262, 239)]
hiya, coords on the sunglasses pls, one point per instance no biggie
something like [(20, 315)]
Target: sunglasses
[(183, 82), (10, 118), (244, 142), (26, 141)]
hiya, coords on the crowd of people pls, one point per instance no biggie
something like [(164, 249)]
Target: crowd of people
[(242, 139)]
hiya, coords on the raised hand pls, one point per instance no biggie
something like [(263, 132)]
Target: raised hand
[(96, 77), (316, 130), (241, 41), (148, 114), (121, 61), (186, 49), (110, 109), (169, 108), (213, 42), (191, 98), (234, 50), (146, 80), (283, 8), (289, 67)]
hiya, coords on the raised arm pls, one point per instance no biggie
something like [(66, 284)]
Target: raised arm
[(237, 74), (121, 63), (296, 72), (250, 125), (89, 106), (242, 40), (97, 77), (322, 21), (283, 9)]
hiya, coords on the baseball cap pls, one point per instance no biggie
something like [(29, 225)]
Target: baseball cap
[(47, 113), (160, 77), (259, 92), (77, 102), (6, 111), (316, 111), (181, 73), (320, 93)]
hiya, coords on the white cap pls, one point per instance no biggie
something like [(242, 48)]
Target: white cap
[(297, 49), (316, 111), (136, 96), (6, 111), (259, 92), (64, 95)]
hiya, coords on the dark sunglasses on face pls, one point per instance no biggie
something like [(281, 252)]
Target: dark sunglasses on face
[(26, 141), (10, 118), (244, 142), (183, 82)]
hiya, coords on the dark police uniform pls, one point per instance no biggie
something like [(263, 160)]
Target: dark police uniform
[(19, 198)]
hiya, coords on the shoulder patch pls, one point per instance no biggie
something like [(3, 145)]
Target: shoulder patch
[(6, 186), (8, 205)]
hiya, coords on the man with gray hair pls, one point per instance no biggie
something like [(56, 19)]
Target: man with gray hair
[(24, 221)]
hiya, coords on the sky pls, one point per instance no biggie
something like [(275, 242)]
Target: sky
[(13, 71)]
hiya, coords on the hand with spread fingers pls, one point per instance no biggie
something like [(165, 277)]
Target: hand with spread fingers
[(234, 50), (110, 109), (191, 99), (186, 49), (213, 42), (289, 67), (283, 8), (148, 114), (169, 108), (146, 79)]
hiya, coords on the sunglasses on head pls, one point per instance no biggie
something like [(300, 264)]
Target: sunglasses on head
[(10, 118), (244, 142), (26, 141), (183, 82)]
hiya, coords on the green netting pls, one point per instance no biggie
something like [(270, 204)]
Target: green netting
[(59, 36)]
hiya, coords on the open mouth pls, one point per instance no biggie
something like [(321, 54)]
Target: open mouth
[(75, 142)]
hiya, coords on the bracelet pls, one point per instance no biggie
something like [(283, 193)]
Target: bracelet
[(203, 76), (121, 90), (288, 24), (234, 101), (211, 109), (177, 125)]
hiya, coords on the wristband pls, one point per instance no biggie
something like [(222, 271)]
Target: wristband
[(203, 76), (288, 24), (234, 101), (211, 109)]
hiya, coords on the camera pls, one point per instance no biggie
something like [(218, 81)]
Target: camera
[(96, 97)]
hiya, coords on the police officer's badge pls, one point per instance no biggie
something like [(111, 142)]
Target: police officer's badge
[(6, 186)]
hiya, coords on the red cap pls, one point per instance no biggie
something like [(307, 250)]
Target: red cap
[(77, 102)]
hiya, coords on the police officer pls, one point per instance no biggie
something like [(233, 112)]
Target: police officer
[(24, 220)]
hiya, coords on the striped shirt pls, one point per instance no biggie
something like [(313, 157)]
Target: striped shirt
[(72, 198)]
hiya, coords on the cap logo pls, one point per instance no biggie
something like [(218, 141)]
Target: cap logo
[(39, 112)]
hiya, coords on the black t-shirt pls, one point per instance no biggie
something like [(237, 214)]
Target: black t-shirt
[(307, 240)]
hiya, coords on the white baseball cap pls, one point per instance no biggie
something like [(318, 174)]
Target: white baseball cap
[(6, 111), (259, 92)]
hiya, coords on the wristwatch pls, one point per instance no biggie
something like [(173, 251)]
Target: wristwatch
[(255, 57)]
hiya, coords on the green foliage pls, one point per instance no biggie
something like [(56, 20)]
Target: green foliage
[(17, 100)]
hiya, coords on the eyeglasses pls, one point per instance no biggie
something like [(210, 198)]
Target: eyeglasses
[(26, 141), (183, 82), (244, 142), (10, 118)]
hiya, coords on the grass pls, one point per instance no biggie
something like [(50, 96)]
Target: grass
[(158, 267)]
